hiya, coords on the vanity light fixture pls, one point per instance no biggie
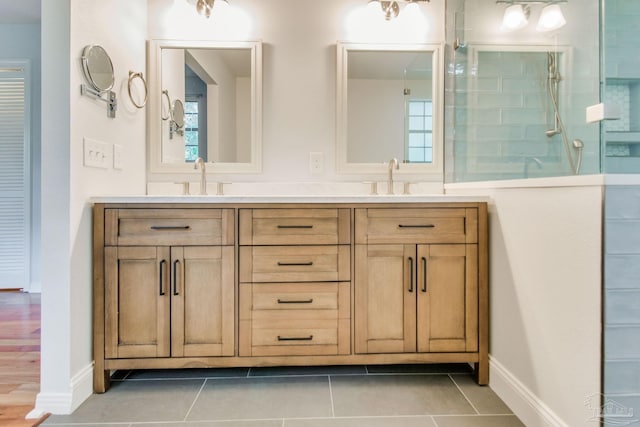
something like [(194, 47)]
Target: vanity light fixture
[(205, 7), (391, 9), (551, 18), (516, 15)]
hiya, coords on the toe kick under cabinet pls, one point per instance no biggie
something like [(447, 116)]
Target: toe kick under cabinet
[(183, 285)]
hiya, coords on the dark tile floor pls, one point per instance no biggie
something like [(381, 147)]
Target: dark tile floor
[(331, 396)]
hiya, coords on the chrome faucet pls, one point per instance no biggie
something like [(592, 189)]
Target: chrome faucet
[(393, 163), (203, 174)]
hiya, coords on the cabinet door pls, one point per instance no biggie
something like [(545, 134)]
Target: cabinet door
[(385, 295), (447, 298), (202, 301), (136, 302)]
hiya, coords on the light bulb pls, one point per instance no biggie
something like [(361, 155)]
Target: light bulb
[(551, 19), (515, 17)]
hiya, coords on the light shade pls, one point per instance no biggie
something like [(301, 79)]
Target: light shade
[(551, 18), (515, 17)]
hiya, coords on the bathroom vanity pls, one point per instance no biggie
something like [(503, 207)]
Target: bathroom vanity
[(239, 281)]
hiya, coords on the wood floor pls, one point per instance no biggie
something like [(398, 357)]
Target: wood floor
[(19, 357)]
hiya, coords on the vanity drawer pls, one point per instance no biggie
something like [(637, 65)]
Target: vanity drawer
[(298, 337), (329, 263), (169, 227), (294, 226), (290, 297), (414, 225)]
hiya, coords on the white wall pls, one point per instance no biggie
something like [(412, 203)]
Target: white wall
[(545, 297), (67, 26), (23, 42), (299, 70)]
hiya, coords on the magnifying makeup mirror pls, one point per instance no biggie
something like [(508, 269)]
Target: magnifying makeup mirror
[(98, 72)]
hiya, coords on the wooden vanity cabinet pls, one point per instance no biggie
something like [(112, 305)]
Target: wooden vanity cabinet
[(416, 280), (181, 285), (169, 283)]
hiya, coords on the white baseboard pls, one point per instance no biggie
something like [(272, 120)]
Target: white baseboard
[(532, 411), (35, 288), (81, 387)]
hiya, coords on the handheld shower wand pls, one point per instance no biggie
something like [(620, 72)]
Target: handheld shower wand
[(553, 80)]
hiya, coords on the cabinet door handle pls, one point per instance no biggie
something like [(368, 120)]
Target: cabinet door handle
[(285, 301), (309, 338), (288, 264), (295, 226), (410, 274), (175, 277), (162, 263), (416, 226), (170, 227), (424, 274)]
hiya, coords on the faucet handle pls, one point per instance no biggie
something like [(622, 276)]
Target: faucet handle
[(406, 189), (220, 188), (373, 189), (185, 187)]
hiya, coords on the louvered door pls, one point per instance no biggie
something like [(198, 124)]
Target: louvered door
[(14, 176)]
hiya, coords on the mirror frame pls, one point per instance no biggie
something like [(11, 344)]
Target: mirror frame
[(435, 169), (154, 119)]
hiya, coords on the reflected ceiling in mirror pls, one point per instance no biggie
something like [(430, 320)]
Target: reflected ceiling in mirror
[(219, 85), (389, 106)]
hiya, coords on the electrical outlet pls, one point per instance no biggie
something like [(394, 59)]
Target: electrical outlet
[(316, 163), (118, 162), (96, 154)]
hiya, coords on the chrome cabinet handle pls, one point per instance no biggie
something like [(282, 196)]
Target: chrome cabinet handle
[(424, 278), (285, 264), (162, 263), (309, 338), (410, 274), (284, 301), (175, 277)]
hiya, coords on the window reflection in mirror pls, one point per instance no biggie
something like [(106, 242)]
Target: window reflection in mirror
[(219, 84), (215, 85), (388, 106)]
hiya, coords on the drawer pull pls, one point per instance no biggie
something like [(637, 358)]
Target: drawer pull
[(309, 338), (162, 263), (169, 227), (284, 301), (289, 264), (175, 277), (416, 226), (424, 276), (295, 226), (410, 274)]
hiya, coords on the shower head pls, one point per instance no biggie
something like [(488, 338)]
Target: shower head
[(552, 132), (578, 144)]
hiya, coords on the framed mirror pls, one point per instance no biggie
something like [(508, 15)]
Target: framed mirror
[(389, 105), (218, 88)]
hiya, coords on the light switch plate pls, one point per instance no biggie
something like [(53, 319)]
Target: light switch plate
[(97, 154), (118, 161)]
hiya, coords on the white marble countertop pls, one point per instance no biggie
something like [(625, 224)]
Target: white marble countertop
[(235, 199)]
